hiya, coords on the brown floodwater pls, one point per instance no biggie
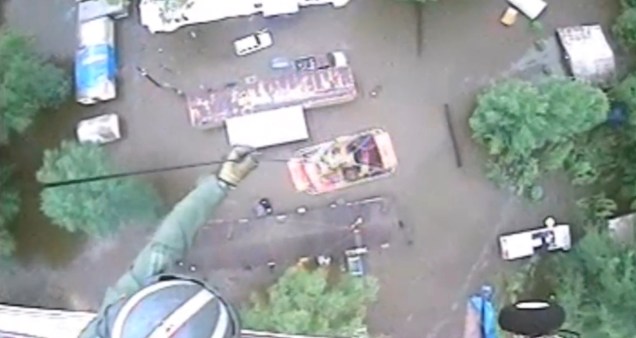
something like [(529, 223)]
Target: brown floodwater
[(456, 213)]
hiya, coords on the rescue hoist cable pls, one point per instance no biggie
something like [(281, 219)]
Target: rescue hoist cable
[(177, 167)]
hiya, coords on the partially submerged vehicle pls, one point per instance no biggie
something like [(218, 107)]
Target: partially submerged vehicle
[(552, 237), (253, 43), (335, 59), (343, 162), (99, 130), (96, 61)]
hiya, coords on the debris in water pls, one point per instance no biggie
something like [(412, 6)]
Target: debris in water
[(375, 91)]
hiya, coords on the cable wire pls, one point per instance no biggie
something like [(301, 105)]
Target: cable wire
[(144, 172), (362, 145)]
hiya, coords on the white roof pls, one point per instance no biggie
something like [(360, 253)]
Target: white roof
[(157, 19), (97, 32), (268, 128), (589, 54), (101, 129), (530, 8)]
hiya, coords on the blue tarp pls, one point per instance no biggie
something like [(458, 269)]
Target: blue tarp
[(94, 65), (482, 315)]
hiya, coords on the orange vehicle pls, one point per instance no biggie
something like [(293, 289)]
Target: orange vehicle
[(343, 162)]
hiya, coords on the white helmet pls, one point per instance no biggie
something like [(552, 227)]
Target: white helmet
[(175, 307)]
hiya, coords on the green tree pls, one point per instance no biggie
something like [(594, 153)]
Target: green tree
[(28, 84), (573, 107), (628, 3), (9, 208), (308, 302), (625, 27), (96, 208), (595, 283), (510, 118), (528, 129)]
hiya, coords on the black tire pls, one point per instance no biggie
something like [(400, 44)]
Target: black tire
[(532, 321)]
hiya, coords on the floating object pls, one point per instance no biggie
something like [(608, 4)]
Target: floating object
[(480, 321), (509, 16), (99, 130), (451, 132), (533, 318)]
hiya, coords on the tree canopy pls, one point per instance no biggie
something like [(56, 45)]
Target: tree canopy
[(308, 302), (595, 284), (28, 84), (625, 27), (96, 208), (530, 128), (9, 208)]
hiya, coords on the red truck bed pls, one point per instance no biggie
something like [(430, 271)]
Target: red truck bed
[(309, 89)]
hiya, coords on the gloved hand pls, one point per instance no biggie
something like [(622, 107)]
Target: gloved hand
[(238, 164)]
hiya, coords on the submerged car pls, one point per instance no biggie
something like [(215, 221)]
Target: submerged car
[(343, 162), (253, 43)]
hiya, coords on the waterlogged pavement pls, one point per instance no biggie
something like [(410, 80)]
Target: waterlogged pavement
[(455, 213)]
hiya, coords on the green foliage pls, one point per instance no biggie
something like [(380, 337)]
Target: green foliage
[(595, 284), (97, 208), (625, 27), (597, 208), (573, 107), (9, 208), (510, 119), (515, 284), (7, 244), (628, 3), (308, 302), (555, 155), (594, 156), (625, 92), (536, 27), (9, 197), (529, 129), (28, 84)]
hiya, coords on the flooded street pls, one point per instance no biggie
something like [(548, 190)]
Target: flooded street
[(456, 213)]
